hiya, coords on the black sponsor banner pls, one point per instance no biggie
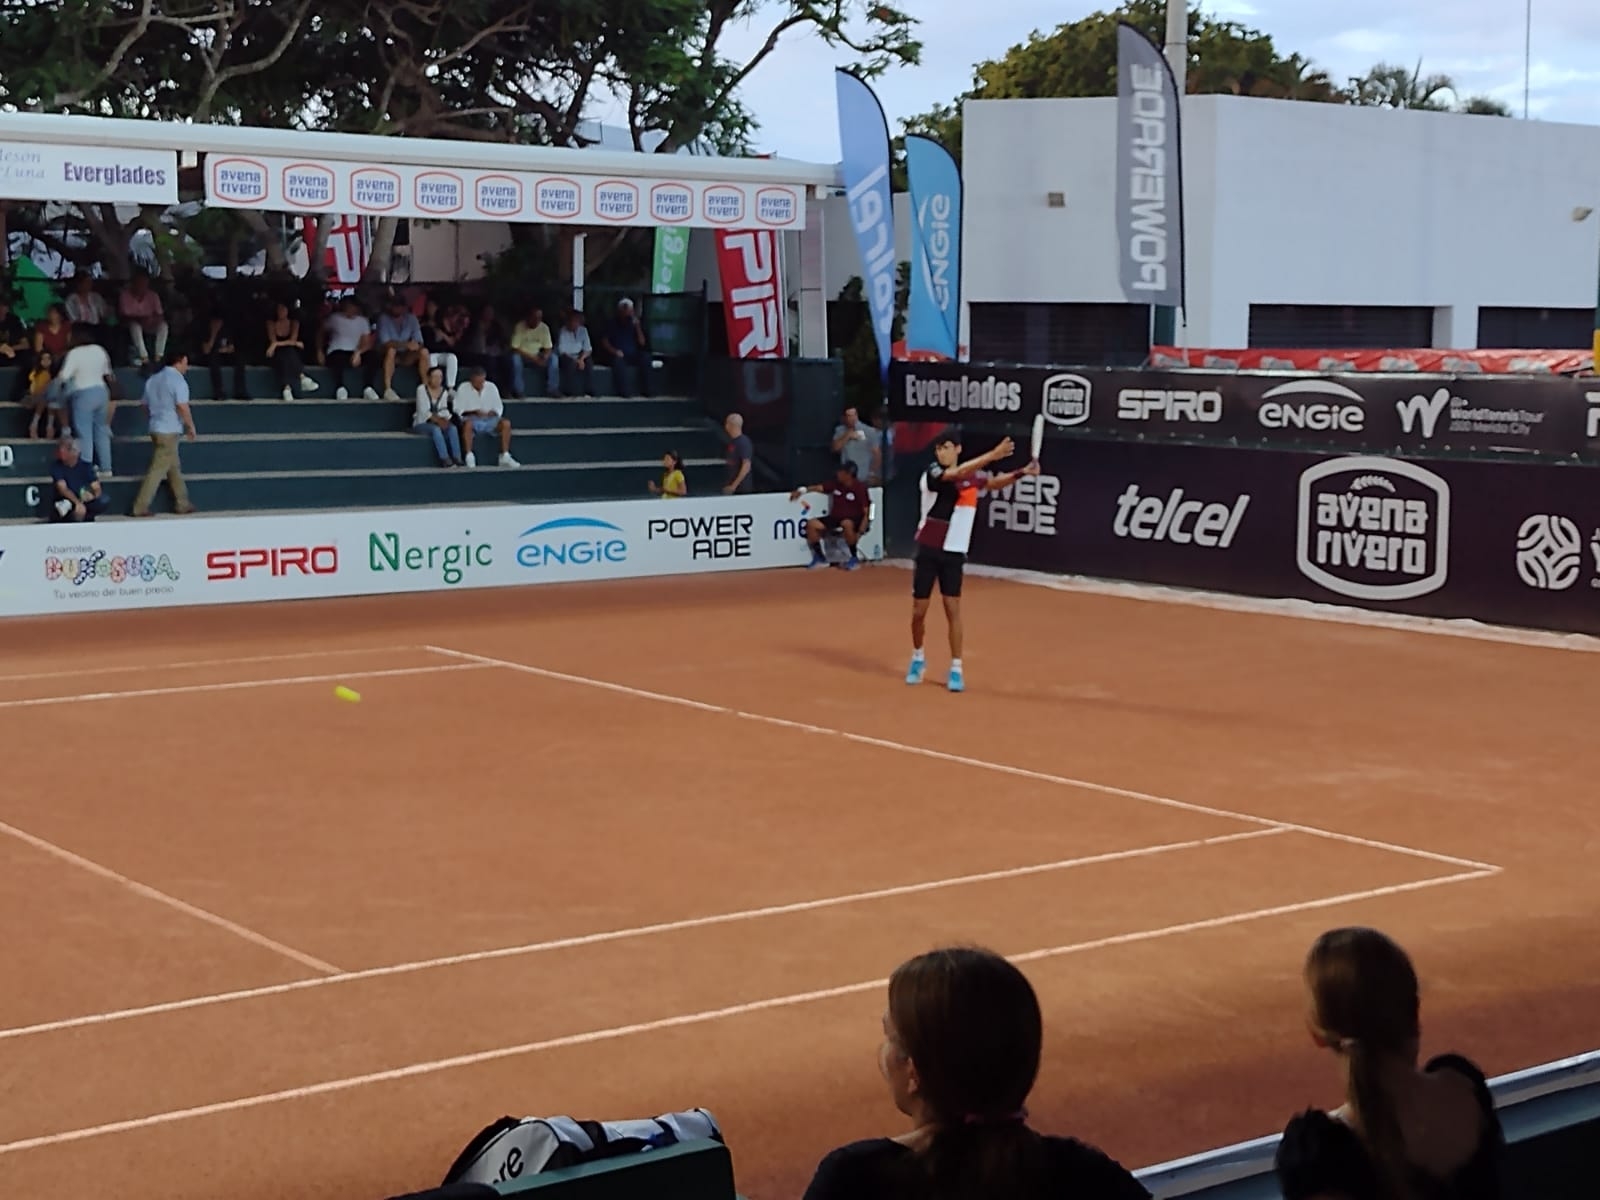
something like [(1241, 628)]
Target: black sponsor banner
[(1543, 417), (1509, 543)]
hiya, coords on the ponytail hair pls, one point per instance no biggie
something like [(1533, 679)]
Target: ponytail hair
[(1365, 995)]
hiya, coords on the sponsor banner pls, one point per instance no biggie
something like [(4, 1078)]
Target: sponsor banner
[(669, 270), (864, 141), (933, 314), (1437, 362), (1545, 417), (82, 174), (750, 267), (376, 189), (48, 569), (1508, 543), (1149, 173)]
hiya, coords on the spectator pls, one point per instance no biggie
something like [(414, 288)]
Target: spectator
[(531, 346), (481, 410), (141, 310), (347, 343), (486, 345), (45, 398), (75, 493), (16, 347), (575, 353), (960, 1053), (86, 379), (628, 352), (849, 507), (286, 352), (85, 306), (880, 422), (216, 347), (440, 343), (860, 445), (166, 399), (400, 340), (740, 457), (435, 418), (53, 335), (1401, 1132), (672, 485)]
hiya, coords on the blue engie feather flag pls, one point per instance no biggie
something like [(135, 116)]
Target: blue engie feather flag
[(933, 322), (864, 141)]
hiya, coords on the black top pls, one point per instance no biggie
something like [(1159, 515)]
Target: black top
[(871, 1170), (1321, 1155)]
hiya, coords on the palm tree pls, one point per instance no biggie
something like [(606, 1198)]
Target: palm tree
[(1389, 86)]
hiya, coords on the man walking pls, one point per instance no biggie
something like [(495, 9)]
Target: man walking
[(166, 397)]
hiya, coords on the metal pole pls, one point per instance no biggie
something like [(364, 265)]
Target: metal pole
[(1165, 321), (1527, 58)]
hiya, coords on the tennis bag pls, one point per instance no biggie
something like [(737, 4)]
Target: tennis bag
[(511, 1148)]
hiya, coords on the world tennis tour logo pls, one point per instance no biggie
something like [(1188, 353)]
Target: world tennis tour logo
[(1374, 528)]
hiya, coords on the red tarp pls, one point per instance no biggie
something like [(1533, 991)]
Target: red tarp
[(1446, 362)]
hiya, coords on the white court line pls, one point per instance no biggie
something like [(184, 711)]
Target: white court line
[(963, 760), (183, 906), (242, 685), (196, 663), (641, 931), (589, 1037)]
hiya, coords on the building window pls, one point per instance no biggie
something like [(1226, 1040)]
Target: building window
[(1077, 335), (1339, 327), (1535, 328)]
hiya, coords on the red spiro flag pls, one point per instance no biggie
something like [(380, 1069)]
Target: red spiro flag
[(749, 262), (348, 248)]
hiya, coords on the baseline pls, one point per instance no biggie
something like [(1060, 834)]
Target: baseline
[(239, 685), (964, 760), (794, 999), (201, 663)]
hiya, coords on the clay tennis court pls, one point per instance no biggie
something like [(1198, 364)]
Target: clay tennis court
[(618, 849)]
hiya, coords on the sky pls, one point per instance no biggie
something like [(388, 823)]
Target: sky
[(1479, 43)]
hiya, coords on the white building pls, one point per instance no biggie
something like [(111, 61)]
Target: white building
[(1310, 225)]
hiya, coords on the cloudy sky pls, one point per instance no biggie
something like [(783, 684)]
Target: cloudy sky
[(1477, 42)]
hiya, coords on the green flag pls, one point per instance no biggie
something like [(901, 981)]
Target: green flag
[(672, 260)]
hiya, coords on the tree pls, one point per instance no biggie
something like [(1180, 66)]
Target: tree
[(1387, 85), (1080, 59)]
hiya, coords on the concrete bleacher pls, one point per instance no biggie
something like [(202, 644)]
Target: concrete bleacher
[(318, 452)]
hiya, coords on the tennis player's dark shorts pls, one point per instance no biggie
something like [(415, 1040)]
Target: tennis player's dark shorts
[(941, 566)]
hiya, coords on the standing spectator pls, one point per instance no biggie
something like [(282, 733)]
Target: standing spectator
[(575, 355), (486, 346), (628, 351), (75, 493), (740, 457), (16, 348), (859, 445), (848, 509), (400, 340), (45, 398), (166, 398), (85, 306), (141, 309), (481, 409), (286, 352), (435, 417), (1401, 1132), (961, 1044), (217, 347), (439, 342), (672, 485), (86, 380), (531, 347), (346, 343)]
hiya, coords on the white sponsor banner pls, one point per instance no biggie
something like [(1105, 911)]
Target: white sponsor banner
[(39, 171), (304, 185), (221, 560)]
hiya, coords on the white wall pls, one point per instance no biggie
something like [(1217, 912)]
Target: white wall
[(1292, 203)]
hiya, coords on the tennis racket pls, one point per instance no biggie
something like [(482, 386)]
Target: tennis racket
[(1038, 436)]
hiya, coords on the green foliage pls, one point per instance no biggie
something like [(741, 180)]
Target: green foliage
[(1387, 85)]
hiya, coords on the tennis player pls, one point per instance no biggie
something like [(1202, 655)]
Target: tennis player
[(950, 490)]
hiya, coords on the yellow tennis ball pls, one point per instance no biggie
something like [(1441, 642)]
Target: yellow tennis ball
[(345, 693)]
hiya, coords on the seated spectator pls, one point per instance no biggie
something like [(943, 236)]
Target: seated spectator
[(286, 352), (672, 484), (140, 307), (75, 493), (575, 355), (849, 507), (86, 379), (16, 348), (481, 409), (400, 342), (435, 417), (860, 445), (166, 399), (440, 342), (45, 399), (960, 1053), (487, 347), (1402, 1132), (531, 347), (216, 347), (346, 343), (85, 306), (53, 335), (627, 352)]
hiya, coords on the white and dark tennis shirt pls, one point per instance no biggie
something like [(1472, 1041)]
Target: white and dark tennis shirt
[(949, 509)]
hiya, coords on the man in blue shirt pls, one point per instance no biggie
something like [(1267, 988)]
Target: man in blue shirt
[(75, 493), (628, 351), (166, 398), (399, 341)]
